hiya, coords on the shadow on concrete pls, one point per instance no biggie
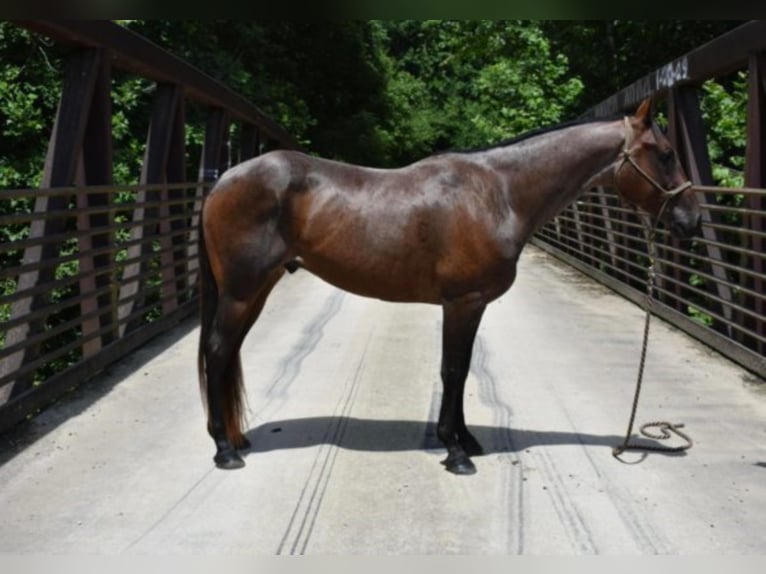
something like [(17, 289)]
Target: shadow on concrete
[(403, 435)]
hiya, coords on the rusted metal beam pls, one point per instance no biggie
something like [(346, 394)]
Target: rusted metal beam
[(213, 161), (250, 142), (132, 52), (173, 208), (718, 57), (211, 164), (608, 226), (93, 228), (692, 143), (755, 176), (82, 71), (154, 171)]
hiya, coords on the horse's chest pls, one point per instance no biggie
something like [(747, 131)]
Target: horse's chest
[(489, 270)]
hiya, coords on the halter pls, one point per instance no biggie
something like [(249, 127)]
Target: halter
[(627, 158)]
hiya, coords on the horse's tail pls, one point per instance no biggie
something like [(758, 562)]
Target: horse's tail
[(232, 386)]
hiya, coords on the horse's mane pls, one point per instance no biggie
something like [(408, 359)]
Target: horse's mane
[(533, 133)]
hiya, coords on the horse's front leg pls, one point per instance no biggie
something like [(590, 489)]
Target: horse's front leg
[(461, 321)]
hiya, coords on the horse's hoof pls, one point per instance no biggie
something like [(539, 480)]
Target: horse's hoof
[(228, 460), (460, 464)]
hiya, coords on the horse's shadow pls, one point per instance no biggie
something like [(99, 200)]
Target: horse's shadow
[(406, 435)]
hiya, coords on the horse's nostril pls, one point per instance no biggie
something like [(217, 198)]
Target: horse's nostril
[(684, 228)]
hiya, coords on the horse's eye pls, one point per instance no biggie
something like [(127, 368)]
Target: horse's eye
[(667, 156)]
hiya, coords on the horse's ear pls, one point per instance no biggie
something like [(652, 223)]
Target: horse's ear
[(644, 112)]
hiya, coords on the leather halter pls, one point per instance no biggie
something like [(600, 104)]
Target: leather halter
[(627, 158)]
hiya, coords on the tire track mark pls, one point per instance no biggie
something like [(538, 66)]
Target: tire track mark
[(580, 535), (569, 516), (290, 365), (303, 519), (643, 532), (288, 373), (502, 442)]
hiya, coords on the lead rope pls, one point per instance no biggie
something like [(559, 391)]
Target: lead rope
[(664, 428)]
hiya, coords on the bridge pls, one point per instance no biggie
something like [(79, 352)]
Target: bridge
[(108, 454)]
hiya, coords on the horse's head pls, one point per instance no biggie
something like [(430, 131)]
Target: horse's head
[(649, 176)]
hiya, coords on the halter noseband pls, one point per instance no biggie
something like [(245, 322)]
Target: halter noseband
[(626, 157)]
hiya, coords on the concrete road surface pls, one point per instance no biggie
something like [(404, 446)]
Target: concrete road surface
[(343, 395)]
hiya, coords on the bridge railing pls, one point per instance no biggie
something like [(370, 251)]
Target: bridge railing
[(714, 289), (99, 267)]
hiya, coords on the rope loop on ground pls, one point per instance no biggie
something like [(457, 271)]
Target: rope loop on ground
[(664, 429)]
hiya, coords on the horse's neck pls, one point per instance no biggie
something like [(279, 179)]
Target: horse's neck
[(545, 173)]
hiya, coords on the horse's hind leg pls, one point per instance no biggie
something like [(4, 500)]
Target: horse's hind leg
[(461, 321), (233, 319), (223, 380)]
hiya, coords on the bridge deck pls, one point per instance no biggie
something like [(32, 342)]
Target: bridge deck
[(341, 390)]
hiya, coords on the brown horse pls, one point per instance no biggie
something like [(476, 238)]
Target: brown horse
[(447, 230)]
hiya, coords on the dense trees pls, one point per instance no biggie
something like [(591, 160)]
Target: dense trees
[(29, 91), (607, 55), (374, 92), (466, 84)]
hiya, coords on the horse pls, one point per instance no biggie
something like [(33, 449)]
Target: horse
[(446, 230)]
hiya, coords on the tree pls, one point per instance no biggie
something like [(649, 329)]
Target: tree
[(383, 93), (608, 55), (461, 84), (322, 82), (29, 91)]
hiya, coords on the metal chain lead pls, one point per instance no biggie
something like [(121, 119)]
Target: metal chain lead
[(665, 428)]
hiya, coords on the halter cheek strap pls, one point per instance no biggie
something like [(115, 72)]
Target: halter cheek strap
[(627, 158)]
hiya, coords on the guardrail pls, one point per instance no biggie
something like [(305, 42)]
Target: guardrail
[(100, 267), (714, 288)]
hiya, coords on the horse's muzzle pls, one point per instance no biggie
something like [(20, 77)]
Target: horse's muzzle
[(684, 224)]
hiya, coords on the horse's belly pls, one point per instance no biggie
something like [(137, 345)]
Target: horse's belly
[(389, 282)]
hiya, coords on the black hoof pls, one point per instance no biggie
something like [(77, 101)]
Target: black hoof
[(459, 464), (228, 460)]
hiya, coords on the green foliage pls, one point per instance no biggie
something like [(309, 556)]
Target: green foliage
[(375, 92), (608, 55), (131, 107), (469, 83), (323, 83), (700, 316), (384, 93), (724, 108), (29, 91)]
